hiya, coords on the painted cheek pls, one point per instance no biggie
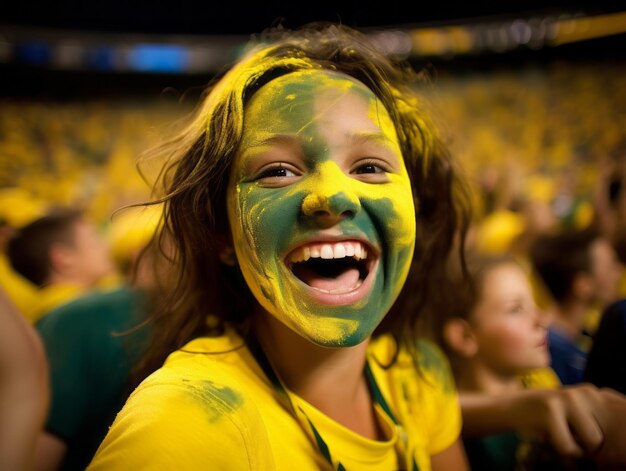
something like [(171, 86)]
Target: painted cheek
[(393, 204), (397, 242), (260, 218), (403, 225)]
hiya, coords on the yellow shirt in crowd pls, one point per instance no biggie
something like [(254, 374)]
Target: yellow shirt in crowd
[(51, 297), (211, 407), (541, 378)]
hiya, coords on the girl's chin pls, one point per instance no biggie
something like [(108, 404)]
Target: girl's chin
[(348, 339)]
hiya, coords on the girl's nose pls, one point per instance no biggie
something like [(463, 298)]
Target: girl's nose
[(330, 199), (543, 317)]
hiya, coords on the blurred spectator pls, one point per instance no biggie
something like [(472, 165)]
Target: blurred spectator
[(495, 338), (63, 255), (536, 208), (610, 198), (92, 344), (515, 415), (610, 218), (606, 364), (17, 208), (19, 289), (582, 272)]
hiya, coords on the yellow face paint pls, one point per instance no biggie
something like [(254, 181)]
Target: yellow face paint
[(319, 176)]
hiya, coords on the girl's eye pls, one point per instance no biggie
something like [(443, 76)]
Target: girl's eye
[(371, 171), (276, 172), (369, 168), (518, 308)]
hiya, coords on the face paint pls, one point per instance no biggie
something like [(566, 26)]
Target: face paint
[(320, 206)]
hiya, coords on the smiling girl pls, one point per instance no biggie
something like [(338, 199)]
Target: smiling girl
[(310, 208)]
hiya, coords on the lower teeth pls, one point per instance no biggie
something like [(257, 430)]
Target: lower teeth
[(340, 290)]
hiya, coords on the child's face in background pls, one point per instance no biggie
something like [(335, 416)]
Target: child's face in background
[(91, 258), (605, 272), (320, 206), (509, 329)]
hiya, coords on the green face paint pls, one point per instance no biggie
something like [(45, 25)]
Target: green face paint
[(320, 206)]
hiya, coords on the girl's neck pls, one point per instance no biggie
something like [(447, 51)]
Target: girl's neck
[(330, 379), (477, 377), (308, 369)]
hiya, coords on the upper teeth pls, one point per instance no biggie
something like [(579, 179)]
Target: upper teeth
[(329, 251)]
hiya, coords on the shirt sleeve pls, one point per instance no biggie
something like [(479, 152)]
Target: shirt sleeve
[(185, 426)]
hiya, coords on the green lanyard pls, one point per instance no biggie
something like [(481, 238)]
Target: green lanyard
[(377, 395)]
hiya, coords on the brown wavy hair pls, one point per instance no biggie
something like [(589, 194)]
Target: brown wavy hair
[(192, 186)]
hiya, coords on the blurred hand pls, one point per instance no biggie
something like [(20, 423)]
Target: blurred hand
[(565, 418), (577, 421), (612, 419)]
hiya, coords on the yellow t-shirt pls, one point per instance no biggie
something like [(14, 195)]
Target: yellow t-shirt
[(211, 407), (541, 378)]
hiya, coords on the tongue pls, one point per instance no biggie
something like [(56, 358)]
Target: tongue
[(346, 280)]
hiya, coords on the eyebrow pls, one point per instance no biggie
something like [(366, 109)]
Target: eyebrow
[(361, 137), (258, 146), (370, 136), (290, 139)]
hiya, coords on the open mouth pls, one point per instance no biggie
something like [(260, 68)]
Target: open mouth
[(335, 268)]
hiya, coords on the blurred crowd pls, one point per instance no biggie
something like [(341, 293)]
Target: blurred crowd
[(81, 153), (535, 133), (561, 122)]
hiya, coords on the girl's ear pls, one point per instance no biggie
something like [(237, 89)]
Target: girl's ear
[(460, 338), (582, 286), (226, 251)]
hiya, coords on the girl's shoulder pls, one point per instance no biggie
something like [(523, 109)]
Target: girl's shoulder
[(222, 359), (230, 341), (426, 361), (203, 402)]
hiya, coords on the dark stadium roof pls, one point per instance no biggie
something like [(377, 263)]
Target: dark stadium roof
[(71, 49), (210, 17)]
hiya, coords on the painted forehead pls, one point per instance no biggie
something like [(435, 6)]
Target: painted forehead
[(301, 96), (305, 84)]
